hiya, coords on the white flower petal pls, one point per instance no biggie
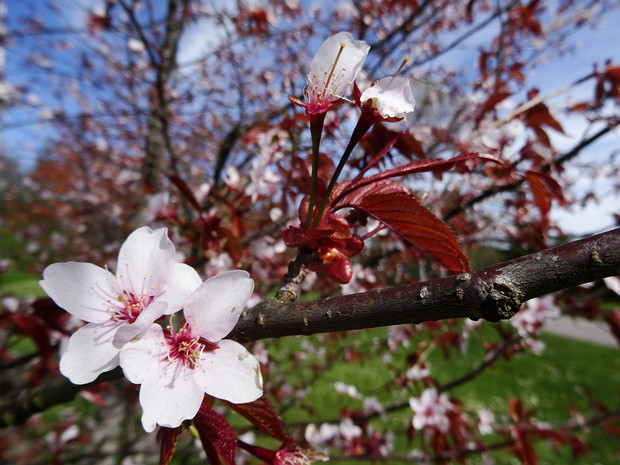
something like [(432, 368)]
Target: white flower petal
[(214, 308), (391, 97), (348, 66), (141, 355), (80, 288), (183, 282), (146, 318), (169, 395), (231, 373), (90, 352), (145, 261)]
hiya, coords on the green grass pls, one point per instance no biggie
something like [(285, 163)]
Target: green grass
[(20, 284), (568, 374)]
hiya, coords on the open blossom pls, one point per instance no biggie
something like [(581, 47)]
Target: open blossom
[(390, 97), (487, 420), (332, 70), (148, 284), (431, 410), (177, 367)]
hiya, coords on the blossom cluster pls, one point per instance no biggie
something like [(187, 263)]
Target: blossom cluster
[(175, 365), (333, 71)]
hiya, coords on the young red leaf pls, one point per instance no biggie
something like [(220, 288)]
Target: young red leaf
[(397, 208), (380, 135), (419, 166), (218, 438), (493, 100), (262, 415), (544, 188), (168, 438), (539, 116), (516, 409), (613, 320), (185, 191), (541, 196)]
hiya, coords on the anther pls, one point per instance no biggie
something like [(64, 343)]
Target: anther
[(405, 60)]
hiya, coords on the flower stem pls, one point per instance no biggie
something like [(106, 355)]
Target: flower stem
[(363, 125), (316, 129)]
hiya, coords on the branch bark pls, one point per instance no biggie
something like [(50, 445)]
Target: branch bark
[(493, 293)]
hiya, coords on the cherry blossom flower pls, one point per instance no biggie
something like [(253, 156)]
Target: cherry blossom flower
[(177, 367), (347, 389), (430, 410), (487, 420), (332, 70), (391, 97), (148, 284), (417, 372)]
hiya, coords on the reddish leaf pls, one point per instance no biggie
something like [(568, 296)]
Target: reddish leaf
[(515, 409), (262, 415), (539, 116), (613, 73), (492, 101), (168, 438), (218, 438), (393, 205), (52, 316), (185, 191), (541, 196), (544, 188), (613, 320), (527, 452), (406, 143), (419, 166)]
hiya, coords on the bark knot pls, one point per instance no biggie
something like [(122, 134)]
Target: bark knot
[(502, 301)]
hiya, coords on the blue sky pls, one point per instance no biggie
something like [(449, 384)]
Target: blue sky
[(23, 137)]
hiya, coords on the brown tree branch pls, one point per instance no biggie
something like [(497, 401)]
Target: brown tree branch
[(493, 293)]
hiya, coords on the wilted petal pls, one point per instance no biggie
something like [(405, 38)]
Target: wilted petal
[(80, 288), (391, 97), (90, 352), (214, 308), (231, 373)]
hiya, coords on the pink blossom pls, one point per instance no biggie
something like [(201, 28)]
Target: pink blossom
[(417, 372), (148, 284), (332, 70), (177, 367), (342, 388), (487, 419), (391, 97), (430, 410)]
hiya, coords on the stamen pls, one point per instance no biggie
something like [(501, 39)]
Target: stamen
[(405, 60), (342, 46)]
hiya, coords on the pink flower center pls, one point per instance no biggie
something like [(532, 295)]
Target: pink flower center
[(185, 347), (131, 305), (127, 300), (319, 91)]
